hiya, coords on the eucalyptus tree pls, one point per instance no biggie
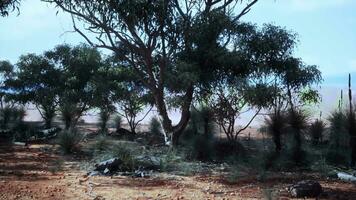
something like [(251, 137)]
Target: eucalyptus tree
[(36, 81), (133, 100), (266, 75), (106, 88), (77, 66), (162, 41), (7, 6)]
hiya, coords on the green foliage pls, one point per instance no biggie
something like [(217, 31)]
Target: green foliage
[(118, 122), (198, 136), (316, 131), (68, 140), (126, 154), (104, 117), (7, 6), (297, 124), (338, 139), (275, 125), (155, 127), (102, 144), (10, 116)]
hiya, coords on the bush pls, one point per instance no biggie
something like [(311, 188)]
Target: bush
[(298, 123), (225, 150), (275, 126), (118, 122), (202, 148), (102, 144), (155, 127), (68, 140), (104, 117), (126, 154), (11, 116), (316, 131), (337, 152)]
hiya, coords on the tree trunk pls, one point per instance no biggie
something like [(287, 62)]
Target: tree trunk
[(277, 142), (353, 151), (173, 133), (48, 123)]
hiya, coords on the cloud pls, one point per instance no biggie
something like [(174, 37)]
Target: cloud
[(312, 5)]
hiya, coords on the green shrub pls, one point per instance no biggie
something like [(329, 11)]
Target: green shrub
[(104, 117), (117, 122), (11, 116), (102, 144), (68, 140), (202, 148), (316, 131), (155, 127), (126, 154), (227, 150), (298, 124), (275, 126), (338, 150)]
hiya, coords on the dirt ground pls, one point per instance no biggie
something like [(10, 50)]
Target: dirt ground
[(30, 173)]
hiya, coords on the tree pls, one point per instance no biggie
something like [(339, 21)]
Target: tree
[(36, 81), (160, 39), (133, 99), (106, 91), (77, 65), (7, 6), (265, 54)]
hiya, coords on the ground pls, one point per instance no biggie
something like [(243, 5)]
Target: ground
[(29, 172)]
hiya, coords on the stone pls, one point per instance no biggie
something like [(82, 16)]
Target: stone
[(111, 165), (306, 188)]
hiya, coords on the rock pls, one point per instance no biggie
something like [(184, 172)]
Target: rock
[(108, 166), (148, 162), (346, 177), (307, 188)]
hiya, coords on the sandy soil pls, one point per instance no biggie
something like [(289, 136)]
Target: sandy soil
[(27, 173)]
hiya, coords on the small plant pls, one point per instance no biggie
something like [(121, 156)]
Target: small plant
[(68, 140), (338, 145), (126, 155), (104, 117), (118, 122), (275, 126), (155, 127), (102, 144), (316, 131), (298, 123)]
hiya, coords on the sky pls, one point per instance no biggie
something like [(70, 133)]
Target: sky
[(326, 30)]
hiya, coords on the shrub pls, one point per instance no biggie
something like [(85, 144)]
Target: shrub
[(198, 137), (202, 148), (316, 131), (338, 145), (126, 154), (275, 126), (68, 140), (155, 127), (104, 117), (227, 150), (118, 122), (11, 116), (298, 123), (102, 143)]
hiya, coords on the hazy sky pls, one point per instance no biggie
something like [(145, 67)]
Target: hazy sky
[(326, 28)]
